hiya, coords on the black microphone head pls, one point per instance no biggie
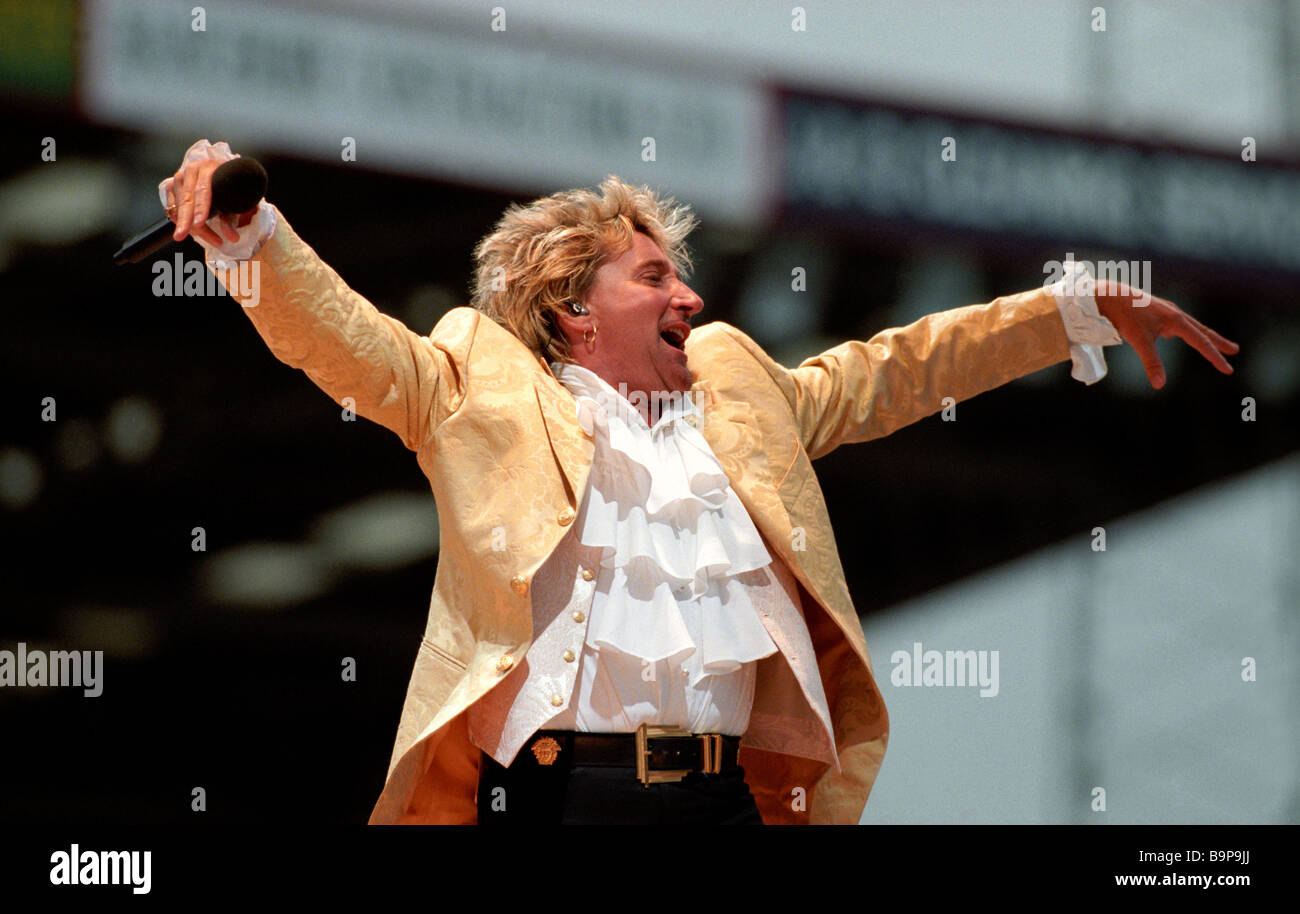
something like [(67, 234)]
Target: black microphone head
[(238, 185)]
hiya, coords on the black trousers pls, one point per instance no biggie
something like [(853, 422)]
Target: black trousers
[(528, 793)]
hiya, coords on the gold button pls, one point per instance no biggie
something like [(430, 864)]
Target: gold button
[(566, 517), (568, 656), (519, 584), (578, 616), (505, 663), (557, 700), (588, 574)]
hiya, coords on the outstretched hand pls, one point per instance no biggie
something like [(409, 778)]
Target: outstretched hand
[(1141, 324)]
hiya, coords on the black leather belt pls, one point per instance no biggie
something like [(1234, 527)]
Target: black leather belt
[(657, 754)]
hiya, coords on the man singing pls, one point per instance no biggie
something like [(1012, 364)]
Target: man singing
[(639, 614)]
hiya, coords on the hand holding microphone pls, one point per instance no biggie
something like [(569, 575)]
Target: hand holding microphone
[(211, 181)]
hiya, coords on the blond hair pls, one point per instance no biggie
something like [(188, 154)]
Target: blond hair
[(541, 256)]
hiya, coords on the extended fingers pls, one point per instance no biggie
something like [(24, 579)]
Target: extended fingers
[(1145, 348), (1177, 315), (1190, 333), (1140, 327), (1222, 343)]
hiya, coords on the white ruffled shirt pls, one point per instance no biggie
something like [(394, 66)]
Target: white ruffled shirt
[(673, 636)]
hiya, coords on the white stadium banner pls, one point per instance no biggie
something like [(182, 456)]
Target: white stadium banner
[(443, 100)]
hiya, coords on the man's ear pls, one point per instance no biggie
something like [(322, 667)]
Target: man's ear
[(573, 325)]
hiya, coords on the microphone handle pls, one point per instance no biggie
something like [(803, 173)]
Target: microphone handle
[(146, 243)]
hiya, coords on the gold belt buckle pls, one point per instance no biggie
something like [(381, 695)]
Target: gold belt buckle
[(711, 754), (647, 777)]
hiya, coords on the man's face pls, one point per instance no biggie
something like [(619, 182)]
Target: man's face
[(642, 313)]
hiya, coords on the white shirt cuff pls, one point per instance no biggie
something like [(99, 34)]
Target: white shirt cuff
[(251, 236), (1085, 327)]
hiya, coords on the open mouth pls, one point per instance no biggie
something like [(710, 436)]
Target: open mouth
[(675, 337)]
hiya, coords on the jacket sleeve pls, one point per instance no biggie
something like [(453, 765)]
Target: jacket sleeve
[(362, 358), (861, 390)]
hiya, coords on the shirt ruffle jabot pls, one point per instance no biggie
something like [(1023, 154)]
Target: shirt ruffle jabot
[(675, 539)]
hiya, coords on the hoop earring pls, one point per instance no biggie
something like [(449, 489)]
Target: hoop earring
[(589, 335)]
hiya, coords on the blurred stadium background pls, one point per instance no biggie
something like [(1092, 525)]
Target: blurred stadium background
[(816, 148)]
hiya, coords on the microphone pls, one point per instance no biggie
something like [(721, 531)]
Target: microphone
[(237, 186)]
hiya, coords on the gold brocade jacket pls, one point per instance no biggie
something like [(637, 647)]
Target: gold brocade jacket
[(498, 438)]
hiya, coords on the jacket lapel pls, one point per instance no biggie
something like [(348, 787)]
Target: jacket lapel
[(572, 448), (734, 434)]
